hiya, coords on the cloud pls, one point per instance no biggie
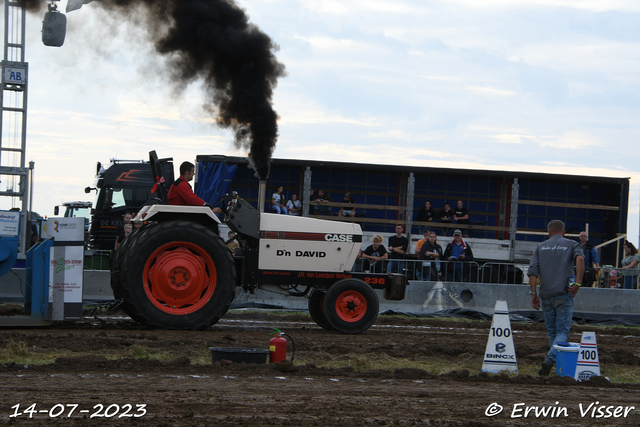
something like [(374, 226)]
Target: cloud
[(618, 60), (334, 7), (588, 5), (486, 90), (569, 141), (530, 85)]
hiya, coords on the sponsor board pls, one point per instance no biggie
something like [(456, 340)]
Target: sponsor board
[(64, 229), (9, 223)]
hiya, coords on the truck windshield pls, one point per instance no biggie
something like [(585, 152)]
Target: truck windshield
[(77, 213), (131, 197)]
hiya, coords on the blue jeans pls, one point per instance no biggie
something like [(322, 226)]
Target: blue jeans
[(395, 266), (457, 273), (323, 210), (280, 210), (558, 314), (630, 282), (455, 270), (428, 270)]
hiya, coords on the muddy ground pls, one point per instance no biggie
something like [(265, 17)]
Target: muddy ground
[(100, 376)]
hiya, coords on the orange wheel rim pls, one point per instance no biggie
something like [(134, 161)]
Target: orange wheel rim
[(351, 306), (179, 278)]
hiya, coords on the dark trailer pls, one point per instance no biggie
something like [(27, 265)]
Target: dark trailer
[(502, 205)]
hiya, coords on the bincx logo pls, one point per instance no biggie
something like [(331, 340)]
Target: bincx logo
[(500, 356), (501, 347), (585, 375)]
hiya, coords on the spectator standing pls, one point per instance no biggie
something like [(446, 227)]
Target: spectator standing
[(458, 252), (121, 234), (446, 216), (421, 242), (552, 264), (426, 214), (398, 246), (430, 250), (375, 252), (294, 206), (348, 198), (277, 201), (35, 235), (461, 215), (630, 265), (128, 228), (591, 260), (322, 198)]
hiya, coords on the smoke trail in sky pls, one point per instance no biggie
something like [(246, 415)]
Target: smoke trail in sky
[(213, 41)]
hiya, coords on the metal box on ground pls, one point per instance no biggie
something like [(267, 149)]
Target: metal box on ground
[(239, 355)]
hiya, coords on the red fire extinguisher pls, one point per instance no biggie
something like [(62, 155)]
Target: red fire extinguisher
[(278, 346)]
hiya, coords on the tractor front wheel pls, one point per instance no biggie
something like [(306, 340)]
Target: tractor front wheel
[(351, 306)]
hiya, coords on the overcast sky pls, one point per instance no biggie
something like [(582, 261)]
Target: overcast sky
[(531, 85)]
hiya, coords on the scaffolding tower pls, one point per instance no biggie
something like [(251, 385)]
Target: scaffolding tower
[(14, 175)]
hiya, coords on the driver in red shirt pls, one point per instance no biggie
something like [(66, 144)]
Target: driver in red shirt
[(181, 192)]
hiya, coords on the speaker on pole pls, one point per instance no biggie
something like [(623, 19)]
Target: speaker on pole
[(54, 27)]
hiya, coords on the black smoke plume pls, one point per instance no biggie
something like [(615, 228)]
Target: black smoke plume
[(213, 40), (31, 5)]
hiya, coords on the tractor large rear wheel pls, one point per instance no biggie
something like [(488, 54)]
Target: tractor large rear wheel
[(116, 261), (117, 281), (316, 309), (351, 306), (177, 275)]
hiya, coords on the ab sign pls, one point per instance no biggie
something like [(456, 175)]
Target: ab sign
[(15, 76)]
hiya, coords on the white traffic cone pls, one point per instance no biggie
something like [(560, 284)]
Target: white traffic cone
[(500, 354), (588, 361)]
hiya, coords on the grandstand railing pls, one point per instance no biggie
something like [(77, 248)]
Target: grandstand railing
[(451, 271)]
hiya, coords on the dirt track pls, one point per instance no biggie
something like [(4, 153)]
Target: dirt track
[(177, 392)]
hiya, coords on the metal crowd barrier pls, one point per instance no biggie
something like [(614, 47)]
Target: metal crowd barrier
[(491, 272), (451, 271), (613, 277)]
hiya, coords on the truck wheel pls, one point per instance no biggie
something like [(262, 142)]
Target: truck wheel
[(351, 306), (316, 310), (178, 275)]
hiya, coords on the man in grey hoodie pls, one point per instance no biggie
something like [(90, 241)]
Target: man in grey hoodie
[(553, 264)]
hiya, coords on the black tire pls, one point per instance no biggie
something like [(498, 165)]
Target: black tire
[(316, 310), (117, 276), (177, 275), (116, 261), (351, 306)]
